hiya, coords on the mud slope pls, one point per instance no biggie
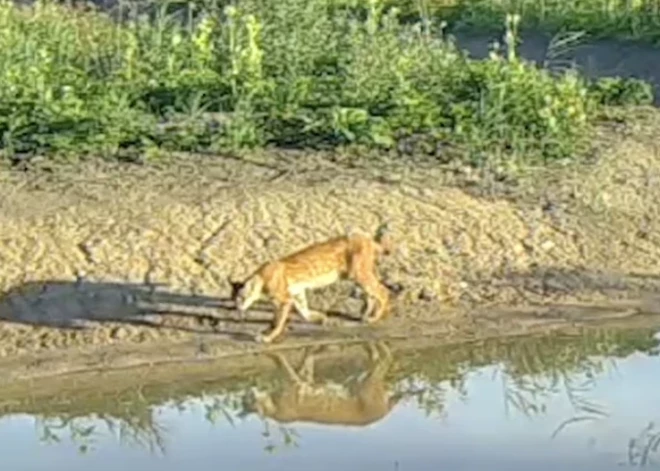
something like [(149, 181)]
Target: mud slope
[(107, 255)]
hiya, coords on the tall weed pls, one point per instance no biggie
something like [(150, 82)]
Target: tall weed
[(266, 72)]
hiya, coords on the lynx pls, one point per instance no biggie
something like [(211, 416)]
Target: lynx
[(359, 401), (351, 256)]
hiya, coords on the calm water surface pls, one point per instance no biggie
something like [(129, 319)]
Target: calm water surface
[(578, 403)]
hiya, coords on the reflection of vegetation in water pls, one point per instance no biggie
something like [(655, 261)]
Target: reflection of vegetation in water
[(530, 395), (536, 373), (144, 432), (288, 435), (532, 370), (641, 448), (130, 419), (431, 397), (217, 407), (80, 433), (534, 377)]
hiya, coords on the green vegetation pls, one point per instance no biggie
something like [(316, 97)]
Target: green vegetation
[(284, 73), (627, 19)]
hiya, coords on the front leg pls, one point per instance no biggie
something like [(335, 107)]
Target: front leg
[(284, 364), (370, 306), (283, 313)]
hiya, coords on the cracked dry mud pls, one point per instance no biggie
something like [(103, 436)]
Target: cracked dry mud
[(110, 264)]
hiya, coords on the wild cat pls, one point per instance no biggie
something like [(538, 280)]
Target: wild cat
[(350, 256)]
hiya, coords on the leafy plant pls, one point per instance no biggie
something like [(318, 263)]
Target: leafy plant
[(286, 73)]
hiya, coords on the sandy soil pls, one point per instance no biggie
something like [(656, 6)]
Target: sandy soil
[(110, 264)]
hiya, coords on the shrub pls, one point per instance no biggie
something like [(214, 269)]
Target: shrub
[(288, 73), (635, 19), (618, 91), (341, 80)]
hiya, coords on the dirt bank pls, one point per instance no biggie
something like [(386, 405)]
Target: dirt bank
[(104, 264)]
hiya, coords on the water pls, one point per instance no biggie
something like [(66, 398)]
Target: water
[(584, 403)]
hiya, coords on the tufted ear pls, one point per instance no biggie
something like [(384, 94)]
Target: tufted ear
[(382, 231), (382, 237)]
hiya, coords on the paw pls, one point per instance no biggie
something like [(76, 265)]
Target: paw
[(261, 338)]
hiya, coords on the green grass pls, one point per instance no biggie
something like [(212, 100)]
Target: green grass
[(300, 73)]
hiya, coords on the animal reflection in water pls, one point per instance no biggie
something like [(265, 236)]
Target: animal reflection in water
[(358, 401)]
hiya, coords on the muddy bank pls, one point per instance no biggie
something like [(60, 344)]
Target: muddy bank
[(200, 352), (106, 264)]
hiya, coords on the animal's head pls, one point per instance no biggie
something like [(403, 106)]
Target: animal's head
[(237, 292), (384, 239)]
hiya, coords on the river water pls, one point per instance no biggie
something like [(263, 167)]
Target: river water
[(583, 402)]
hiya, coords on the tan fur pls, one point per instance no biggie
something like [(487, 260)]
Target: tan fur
[(351, 256), (361, 402)]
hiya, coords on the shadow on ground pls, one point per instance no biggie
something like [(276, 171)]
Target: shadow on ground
[(73, 305), (79, 305), (550, 282)]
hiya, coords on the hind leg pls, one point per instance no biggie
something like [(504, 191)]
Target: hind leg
[(363, 272), (376, 293), (369, 309)]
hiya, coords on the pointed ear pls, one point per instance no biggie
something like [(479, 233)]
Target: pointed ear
[(383, 238), (382, 231)]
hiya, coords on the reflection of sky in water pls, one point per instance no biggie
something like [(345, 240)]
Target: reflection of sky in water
[(477, 431)]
